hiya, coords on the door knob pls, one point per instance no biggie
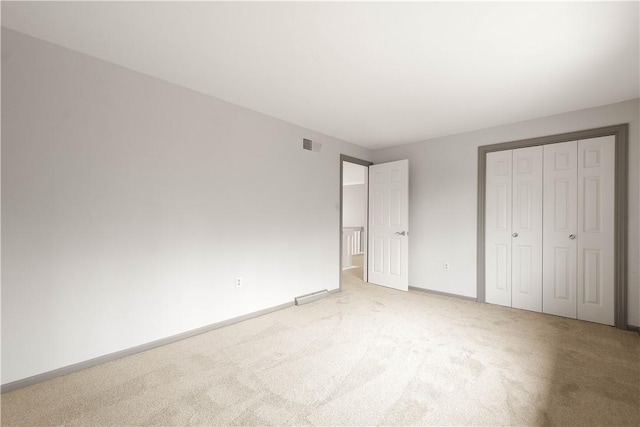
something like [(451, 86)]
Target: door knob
[(572, 236), (402, 233), (515, 234)]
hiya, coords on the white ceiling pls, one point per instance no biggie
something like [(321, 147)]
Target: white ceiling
[(375, 74)]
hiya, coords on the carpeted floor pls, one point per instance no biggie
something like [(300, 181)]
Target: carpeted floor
[(365, 356)]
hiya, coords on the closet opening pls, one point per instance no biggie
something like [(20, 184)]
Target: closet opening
[(501, 243)]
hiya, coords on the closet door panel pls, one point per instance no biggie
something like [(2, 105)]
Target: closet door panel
[(526, 278), (596, 157), (498, 228), (560, 198)]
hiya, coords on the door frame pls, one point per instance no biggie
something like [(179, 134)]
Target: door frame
[(621, 212), (366, 164)]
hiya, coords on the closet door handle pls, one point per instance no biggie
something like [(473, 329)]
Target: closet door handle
[(572, 236), (515, 234)]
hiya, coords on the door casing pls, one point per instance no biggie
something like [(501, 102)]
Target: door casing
[(621, 133)]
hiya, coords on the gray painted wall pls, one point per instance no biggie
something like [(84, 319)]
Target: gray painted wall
[(129, 206), (443, 196), (354, 205)]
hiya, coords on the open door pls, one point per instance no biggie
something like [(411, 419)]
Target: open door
[(389, 224)]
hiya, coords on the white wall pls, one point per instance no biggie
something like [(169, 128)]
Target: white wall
[(443, 196), (129, 206), (354, 205)]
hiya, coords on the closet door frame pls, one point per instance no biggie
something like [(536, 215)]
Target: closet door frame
[(620, 132)]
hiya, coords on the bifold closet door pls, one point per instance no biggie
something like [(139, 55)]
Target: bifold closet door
[(498, 228), (513, 225), (549, 229), (526, 229), (596, 159), (578, 263), (560, 224)]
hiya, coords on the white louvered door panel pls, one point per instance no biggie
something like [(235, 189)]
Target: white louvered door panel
[(596, 159), (559, 229), (526, 228), (498, 228)]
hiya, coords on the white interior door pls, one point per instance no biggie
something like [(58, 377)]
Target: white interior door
[(498, 228), (549, 229), (388, 259), (560, 229), (595, 229), (526, 229)]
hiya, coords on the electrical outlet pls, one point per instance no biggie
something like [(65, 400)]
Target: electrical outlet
[(446, 266), (238, 282)]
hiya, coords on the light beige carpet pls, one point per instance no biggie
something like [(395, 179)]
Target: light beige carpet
[(366, 356)]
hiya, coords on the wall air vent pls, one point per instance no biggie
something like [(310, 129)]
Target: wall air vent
[(307, 144)]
